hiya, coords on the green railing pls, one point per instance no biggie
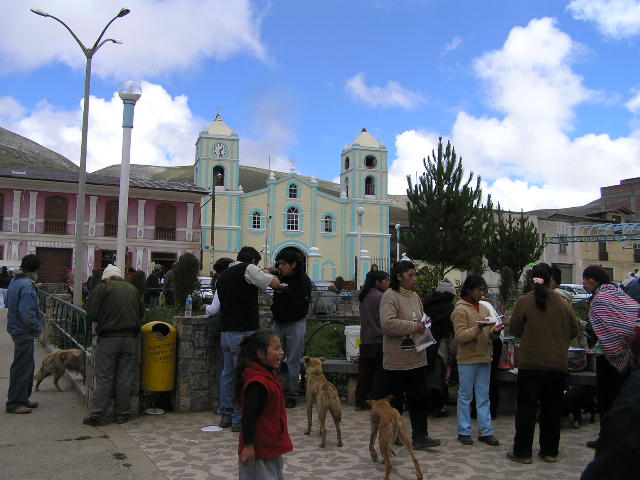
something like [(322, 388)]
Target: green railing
[(72, 328)]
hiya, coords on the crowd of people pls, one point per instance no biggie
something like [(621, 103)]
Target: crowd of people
[(409, 346)]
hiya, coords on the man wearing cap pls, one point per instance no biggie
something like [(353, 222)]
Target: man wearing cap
[(117, 308), (24, 324)]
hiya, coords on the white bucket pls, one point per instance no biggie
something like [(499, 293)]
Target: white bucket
[(352, 339)]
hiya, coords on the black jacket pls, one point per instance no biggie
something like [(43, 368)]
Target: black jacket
[(117, 307), (292, 303), (439, 307)]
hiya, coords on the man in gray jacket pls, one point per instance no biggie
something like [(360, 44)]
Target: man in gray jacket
[(24, 324)]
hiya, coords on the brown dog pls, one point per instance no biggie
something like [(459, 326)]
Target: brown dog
[(387, 422), (56, 363), (324, 394)]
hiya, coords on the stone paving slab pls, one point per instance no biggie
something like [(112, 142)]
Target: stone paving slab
[(176, 445)]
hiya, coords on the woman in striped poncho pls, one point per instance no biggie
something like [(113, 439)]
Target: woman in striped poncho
[(613, 316)]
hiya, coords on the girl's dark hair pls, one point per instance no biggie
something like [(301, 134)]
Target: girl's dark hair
[(597, 273), (540, 294), (373, 277), (249, 348), (471, 283), (399, 268)]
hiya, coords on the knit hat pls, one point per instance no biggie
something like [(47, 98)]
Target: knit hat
[(445, 286), (111, 271)]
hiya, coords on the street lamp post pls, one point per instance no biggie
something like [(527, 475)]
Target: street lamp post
[(360, 212), (216, 179), (129, 92), (78, 264), (397, 242)]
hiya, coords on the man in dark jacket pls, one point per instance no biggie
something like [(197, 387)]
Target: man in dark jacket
[(617, 455), (24, 324), (289, 308), (153, 284), (117, 308)]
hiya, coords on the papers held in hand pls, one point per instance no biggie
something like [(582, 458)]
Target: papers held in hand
[(423, 340)]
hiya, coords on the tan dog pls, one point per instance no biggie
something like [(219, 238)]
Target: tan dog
[(324, 394), (387, 422), (56, 363)]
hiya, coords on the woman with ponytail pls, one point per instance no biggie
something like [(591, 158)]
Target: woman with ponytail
[(545, 323)]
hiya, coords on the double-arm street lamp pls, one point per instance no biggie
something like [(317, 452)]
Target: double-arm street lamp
[(78, 264)]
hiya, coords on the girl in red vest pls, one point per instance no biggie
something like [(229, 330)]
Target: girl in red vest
[(264, 436)]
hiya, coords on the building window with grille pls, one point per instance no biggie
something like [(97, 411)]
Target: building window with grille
[(636, 253), (293, 219), (369, 186), (256, 220), (603, 255), (293, 191), (111, 219), (327, 224), (1, 210), (165, 222), (55, 215), (562, 244), (218, 176)]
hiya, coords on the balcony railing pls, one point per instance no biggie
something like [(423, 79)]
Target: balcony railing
[(165, 233), (110, 230), (57, 227)]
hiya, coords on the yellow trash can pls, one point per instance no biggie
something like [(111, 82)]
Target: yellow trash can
[(158, 357)]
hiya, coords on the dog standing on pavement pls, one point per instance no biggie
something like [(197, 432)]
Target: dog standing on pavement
[(57, 363), (324, 394), (387, 423)]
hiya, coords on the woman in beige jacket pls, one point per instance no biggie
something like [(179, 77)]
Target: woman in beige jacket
[(475, 350), (405, 368)]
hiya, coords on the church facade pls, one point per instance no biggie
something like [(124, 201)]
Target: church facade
[(293, 211)]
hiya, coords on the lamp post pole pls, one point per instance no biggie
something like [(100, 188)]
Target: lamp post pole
[(360, 212), (397, 242), (216, 179), (129, 92), (78, 264)]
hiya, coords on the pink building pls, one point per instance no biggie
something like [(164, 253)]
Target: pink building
[(38, 215)]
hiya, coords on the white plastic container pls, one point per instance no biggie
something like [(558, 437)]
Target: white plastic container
[(352, 339)]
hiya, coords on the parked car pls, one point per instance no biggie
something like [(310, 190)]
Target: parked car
[(577, 291), (205, 291)]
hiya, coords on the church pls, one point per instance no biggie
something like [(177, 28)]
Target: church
[(287, 210)]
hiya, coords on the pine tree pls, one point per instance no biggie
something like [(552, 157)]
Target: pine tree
[(513, 245), (448, 220)]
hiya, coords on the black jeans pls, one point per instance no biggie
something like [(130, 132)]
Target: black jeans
[(410, 384), (547, 388), (608, 384), (21, 373), (370, 382), (115, 366)]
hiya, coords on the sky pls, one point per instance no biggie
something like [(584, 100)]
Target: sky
[(541, 98)]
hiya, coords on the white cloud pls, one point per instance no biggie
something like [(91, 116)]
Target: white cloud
[(614, 18), (634, 103), (160, 37), (527, 156), (164, 132), (391, 95), (455, 43)]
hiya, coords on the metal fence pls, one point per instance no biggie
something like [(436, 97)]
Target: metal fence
[(72, 329)]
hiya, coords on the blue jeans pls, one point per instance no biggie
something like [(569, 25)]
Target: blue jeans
[(292, 339), (474, 377), (230, 343)]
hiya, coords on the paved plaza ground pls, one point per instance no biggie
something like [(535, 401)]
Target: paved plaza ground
[(52, 443)]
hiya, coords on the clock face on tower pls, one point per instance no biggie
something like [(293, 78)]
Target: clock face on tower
[(219, 150)]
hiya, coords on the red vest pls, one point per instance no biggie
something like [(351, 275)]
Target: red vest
[(272, 435)]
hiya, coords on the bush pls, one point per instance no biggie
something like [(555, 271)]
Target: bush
[(185, 278), (426, 281), (139, 281), (161, 314), (339, 284)]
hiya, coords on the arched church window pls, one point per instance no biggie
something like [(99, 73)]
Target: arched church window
[(346, 186), (369, 186), (218, 176), (256, 220), (111, 218), (327, 224), (55, 215), (370, 161), (293, 191), (346, 163), (293, 219)]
